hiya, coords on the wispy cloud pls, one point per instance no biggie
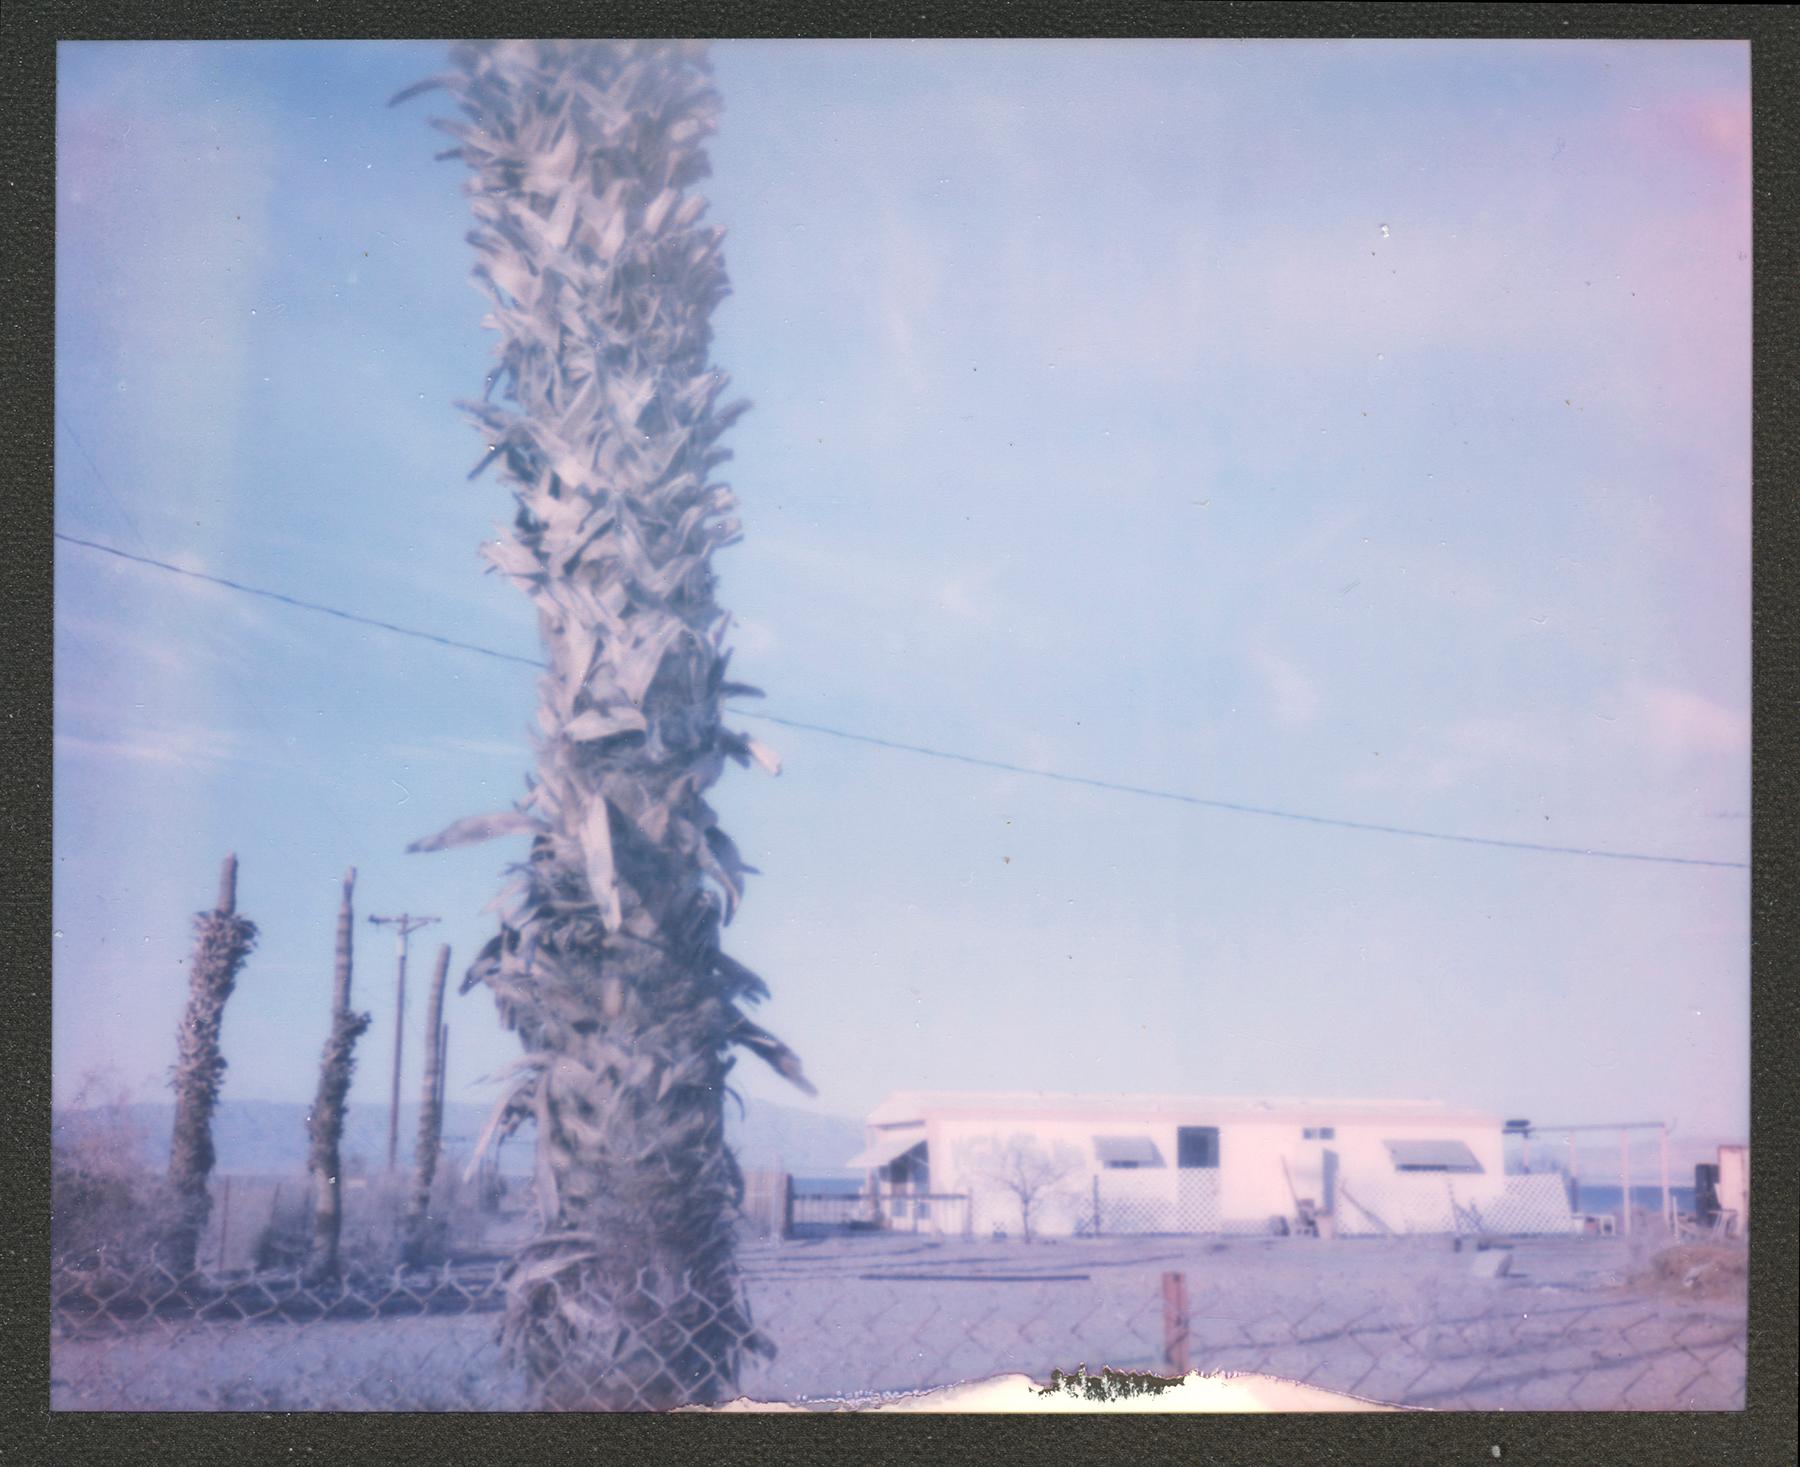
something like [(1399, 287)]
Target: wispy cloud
[(1452, 754), (1680, 724), (909, 298), (449, 746), (1292, 697), (753, 637), (885, 580), (144, 644), (1652, 727), (191, 746)]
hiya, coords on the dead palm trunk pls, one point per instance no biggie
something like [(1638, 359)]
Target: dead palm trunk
[(325, 1123), (431, 1117), (223, 941), (602, 417)]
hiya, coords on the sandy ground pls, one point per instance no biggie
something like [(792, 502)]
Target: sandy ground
[(1573, 1324)]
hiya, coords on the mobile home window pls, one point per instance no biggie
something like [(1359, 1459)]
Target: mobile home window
[(1126, 1151), (1197, 1146), (1432, 1156)]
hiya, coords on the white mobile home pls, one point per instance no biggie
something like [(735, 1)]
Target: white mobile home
[(1190, 1164)]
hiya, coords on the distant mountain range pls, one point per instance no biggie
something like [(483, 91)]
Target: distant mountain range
[(263, 1137)]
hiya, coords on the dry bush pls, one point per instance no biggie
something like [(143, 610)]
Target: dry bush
[(103, 1194), (374, 1208), (374, 1223), (286, 1238), (1698, 1271)]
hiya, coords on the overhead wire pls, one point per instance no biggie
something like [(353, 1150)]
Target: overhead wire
[(1237, 807), (243, 692)]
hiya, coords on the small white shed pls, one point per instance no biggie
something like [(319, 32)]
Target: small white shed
[(1179, 1164)]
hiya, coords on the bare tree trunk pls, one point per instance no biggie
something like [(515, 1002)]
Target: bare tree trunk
[(325, 1124), (431, 1116), (223, 941)]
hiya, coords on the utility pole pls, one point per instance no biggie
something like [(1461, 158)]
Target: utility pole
[(404, 926), (443, 1060), (1625, 1179), (1668, 1204)]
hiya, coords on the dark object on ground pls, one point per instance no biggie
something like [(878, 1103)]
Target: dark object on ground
[(1706, 1192)]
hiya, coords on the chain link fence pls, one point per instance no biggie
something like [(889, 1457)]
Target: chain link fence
[(859, 1319), (1189, 1203), (1535, 1205)]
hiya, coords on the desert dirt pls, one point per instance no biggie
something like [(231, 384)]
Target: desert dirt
[(1570, 1324)]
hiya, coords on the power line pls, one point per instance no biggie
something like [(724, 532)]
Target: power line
[(236, 682), (225, 667), (925, 751), (1239, 808), (368, 621)]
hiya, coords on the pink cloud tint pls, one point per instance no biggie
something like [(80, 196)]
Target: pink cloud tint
[(1677, 722)]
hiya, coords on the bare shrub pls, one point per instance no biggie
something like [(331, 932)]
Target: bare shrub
[(286, 1238), (1034, 1174), (1698, 1271), (376, 1233), (103, 1194), (373, 1227)]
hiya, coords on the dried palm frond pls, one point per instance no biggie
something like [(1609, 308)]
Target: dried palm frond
[(603, 417)]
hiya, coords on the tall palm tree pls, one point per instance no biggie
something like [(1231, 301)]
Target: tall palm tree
[(325, 1121), (223, 940), (416, 1225), (602, 415)]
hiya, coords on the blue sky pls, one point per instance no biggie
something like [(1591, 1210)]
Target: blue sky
[(1360, 429)]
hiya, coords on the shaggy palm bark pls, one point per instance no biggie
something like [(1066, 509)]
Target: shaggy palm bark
[(602, 417), (223, 941), (325, 1122), (431, 1118)]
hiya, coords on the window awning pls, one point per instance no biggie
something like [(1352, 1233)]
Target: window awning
[(1127, 1150), (1433, 1156), (885, 1148)]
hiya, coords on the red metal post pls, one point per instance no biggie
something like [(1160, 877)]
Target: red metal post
[(1175, 1322)]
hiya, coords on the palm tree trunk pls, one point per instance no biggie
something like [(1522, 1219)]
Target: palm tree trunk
[(431, 1117), (223, 941), (602, 417), (325, 1123)]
